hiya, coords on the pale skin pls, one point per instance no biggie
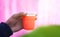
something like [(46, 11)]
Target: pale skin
[(15, 21)]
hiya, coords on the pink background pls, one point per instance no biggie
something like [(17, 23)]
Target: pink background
[(48, 11)]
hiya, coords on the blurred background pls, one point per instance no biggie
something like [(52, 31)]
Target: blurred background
[(48, 11)]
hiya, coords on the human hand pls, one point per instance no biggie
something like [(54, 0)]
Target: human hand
[(15, 22)]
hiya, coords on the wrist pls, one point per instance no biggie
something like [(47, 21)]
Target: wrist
[(14, 28)]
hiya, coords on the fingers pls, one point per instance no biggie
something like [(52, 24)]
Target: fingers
[(19, 15)]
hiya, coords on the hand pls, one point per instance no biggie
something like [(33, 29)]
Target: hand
[(15, 22)]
